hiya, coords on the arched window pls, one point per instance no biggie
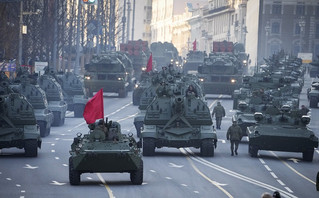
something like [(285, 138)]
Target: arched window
[(275, 28)]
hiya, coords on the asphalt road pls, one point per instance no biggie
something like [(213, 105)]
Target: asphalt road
[(170, 173)]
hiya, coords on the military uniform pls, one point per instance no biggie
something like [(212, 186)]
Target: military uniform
[(234, 135), (219, 112)]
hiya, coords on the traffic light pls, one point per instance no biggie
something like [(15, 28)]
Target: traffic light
[(89, 2)]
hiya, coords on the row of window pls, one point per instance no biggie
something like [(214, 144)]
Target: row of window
[(275, 48), (275, 29), (300, 9)]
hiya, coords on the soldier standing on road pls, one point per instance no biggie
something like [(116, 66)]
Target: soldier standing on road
[(234, 135), (219, 112)]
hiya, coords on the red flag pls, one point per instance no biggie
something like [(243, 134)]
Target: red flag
[(94, 108), (194, 45), (149, 64)]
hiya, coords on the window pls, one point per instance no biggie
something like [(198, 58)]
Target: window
[(274, 48), (317, 11), (300, 9), (276, 9), (297, 29), (317, 31), (296, 48), (275, 28)]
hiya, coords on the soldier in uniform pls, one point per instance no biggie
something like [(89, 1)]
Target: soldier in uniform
[(219, 112), (234, 135), (191, 91), (304, 110)]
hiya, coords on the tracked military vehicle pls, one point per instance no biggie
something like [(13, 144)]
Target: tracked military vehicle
[(73, 91), (313, 94), (141, 86), (107, 71), (54, 94), (26, 84), (193, 60), (164, 54), (176, 119), (105, 149), (282, 130), (18, 125)]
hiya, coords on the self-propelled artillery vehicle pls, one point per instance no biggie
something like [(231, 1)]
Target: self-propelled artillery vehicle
[(282, 129), (313, 94), (176, 119), (72, 89), (18, 125), (26, 84), (108, 71), (56, 103), (105, 149)]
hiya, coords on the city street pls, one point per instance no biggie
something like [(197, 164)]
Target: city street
[(170, 173)]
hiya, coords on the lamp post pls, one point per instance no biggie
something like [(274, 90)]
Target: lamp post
[(21, 29), (302, 24), (267, 29)]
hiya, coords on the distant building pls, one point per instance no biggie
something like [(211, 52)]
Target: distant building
[(273, 25)]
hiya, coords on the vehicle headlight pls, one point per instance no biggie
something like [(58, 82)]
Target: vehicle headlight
[(176, 62), (119, 78), (201, 79), (87, 77), (233, 80), (172, 60), (244, 61)]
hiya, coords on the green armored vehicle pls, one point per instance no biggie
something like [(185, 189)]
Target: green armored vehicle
[(164, 54), (105, 149), (176, 119), (313, 94), (18, 125), (73, 91), (26, 84), (282, 130), (109, 72), (141, 86), (192, 61), (55, 98)]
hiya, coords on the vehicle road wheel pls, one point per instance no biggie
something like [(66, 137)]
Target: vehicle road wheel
[(253, 150), (31, 148), (56, 118), (308, 155), (148, 146), (313, 102), (207, 148), (74, 175), (78, 110), (137, 176)]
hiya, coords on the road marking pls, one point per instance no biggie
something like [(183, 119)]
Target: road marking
[(28, 166), (65, 165), (203, 175), (109, 191), (267, 167), (261, 160), (57, 138), (203, 161), (184, 185), (52, 151), (289, 190), (274, 175), (52, 144), (196, 192), (294, 170), (294, 160), (8, 178), (57, 183), (211, 105), (130, 116), (280, 182), (57, 158), (18, 185), (169, 178), (22, 191), (153, 171), (175, 166)]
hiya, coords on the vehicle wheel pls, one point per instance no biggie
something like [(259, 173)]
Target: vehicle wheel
[(56, 118), (78, 110), (308, 155), (253, 150), (317, 182), (313, 102), (137, 176), (148, 146), (43, 128), (207, 148), (74, 175), (31, 148)]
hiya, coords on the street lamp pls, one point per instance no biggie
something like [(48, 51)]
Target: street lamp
[(21, 29), (302, 24), (267, 29)]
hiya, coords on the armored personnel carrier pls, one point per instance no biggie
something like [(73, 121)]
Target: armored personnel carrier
[(72, 89), (141, 86), (193, 60), (164, 54), (313, 94), (176, 119), (107, 71), (282, 130), (54, 94), (26, 84), (105, 149), (18, 125)]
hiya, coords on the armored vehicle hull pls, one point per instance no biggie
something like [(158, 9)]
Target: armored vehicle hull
[(220, 84), (96, 152), (18, 124), (282, 133), (313, 95)]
